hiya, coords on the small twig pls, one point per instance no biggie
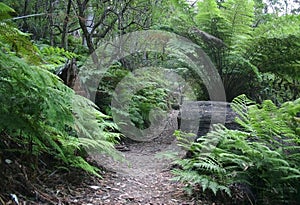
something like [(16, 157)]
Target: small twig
[(44, 196), (28, 16), (1, 200)]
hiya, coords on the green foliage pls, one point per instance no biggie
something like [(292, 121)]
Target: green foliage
[(250, 40), (40, 115), (263, 155), (254, 45), (17, 43), (37, 111), (174, 16), (94, 129), (184, 14), (274, 50), (229, 24), (230, 21), (107, 86), (150, 98), (210, 19), (239, 16), (277, 88), (5, 11), (151, 93), (54, 57), (276, 46)]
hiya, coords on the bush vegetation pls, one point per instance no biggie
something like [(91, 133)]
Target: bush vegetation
[(262, 158), (255, 52), (39, 114)]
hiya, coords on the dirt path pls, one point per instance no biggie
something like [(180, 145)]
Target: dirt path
[(145, 178)]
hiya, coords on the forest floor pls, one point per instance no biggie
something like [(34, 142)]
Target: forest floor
[(143, 178)]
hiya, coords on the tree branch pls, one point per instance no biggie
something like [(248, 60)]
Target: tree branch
[(209, 38), (28, 16)]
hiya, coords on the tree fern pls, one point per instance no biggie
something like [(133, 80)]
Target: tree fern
[(239, 15), (209, 18)]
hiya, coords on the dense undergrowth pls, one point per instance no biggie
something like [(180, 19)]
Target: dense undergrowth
[(45, 126), (43, 122), (261, 160)]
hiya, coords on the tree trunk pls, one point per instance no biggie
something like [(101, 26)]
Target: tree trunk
[(50, 16), (87, 36), (65, 30), (25, 25)]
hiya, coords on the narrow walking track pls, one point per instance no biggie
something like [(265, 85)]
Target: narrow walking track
[(145, 178)]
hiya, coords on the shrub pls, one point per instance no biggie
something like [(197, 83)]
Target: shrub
[(39, 114), (263, 155)]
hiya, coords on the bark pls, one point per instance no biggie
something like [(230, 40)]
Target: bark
[(51, 35), (25, 25), (86, 34), (65, 30)]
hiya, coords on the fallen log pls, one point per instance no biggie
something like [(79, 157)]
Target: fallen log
[(198, 117)]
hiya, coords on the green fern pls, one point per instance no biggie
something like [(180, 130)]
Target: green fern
[(55, 56), (204, 181), (239, 15), (40, 113), (13, 40), (5, 11), (93, 131), (264, 154)]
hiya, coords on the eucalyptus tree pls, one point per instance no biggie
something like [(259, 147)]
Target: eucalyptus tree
[(100, 20), (222, 29)]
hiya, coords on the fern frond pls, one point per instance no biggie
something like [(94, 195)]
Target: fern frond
[(6, 12), (208, 164), (263, 155), (36, 103), (204, 181), (92, 134)]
